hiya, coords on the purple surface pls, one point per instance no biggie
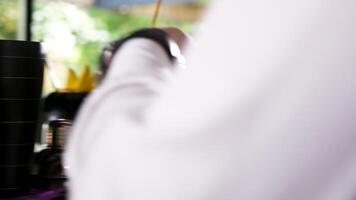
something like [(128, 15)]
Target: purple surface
[(45, 195)]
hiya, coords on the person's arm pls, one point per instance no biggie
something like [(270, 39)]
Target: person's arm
[(265, 111), (138, 71)]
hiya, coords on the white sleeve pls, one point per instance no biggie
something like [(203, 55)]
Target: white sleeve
[(138, 72), (265, 111)]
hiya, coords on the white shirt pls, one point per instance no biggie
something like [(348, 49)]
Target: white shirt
[(265, 110)]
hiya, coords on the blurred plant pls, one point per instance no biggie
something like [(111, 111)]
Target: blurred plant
[(119, 24), (74, 36), (65, 29), (8, 19)]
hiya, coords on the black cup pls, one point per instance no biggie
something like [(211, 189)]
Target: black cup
[(20, 87), (19, 110), (16, 154), (11, 67), (21, 133), (21, 77), (15, 180)]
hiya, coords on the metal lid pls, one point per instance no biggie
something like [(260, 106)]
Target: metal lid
[(13, 48)]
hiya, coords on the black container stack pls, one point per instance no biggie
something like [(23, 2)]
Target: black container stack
[(21, 77)]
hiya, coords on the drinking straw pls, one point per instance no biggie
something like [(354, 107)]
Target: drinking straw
[(156, 13)]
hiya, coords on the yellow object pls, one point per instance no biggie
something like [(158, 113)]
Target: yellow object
[(85, 82), (71, 80)]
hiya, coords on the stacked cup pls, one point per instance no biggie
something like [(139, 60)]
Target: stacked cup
[(21, 77)]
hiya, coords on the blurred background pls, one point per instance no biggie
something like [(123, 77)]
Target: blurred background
[(75, 31)]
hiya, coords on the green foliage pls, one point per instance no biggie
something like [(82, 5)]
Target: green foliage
[(118, 25), (87, 50), (8, 19)]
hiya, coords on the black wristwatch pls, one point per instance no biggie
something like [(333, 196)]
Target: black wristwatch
[(157, 35)]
